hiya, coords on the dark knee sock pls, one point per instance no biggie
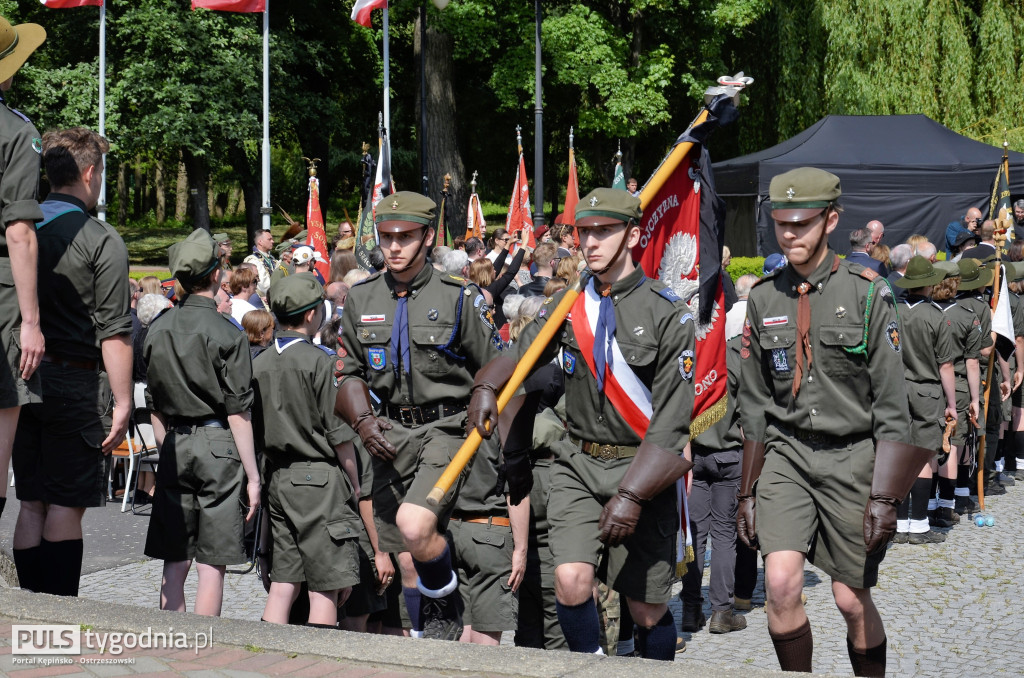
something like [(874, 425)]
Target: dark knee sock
[(27, 563), (435, 574), (871, 662), (903, 510), (581, 626), (933, 489), (919, 498), (963, 475), (947, 488), (795, 648), (659, 641), (412, 604), (61, 563)]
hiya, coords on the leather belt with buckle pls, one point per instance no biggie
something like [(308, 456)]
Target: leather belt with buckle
[(186, 425), (606, 452), (501, 521), (819, 439), (65, 362), (413, 415)]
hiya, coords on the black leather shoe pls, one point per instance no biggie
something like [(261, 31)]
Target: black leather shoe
[(994, 489), (693, 619)]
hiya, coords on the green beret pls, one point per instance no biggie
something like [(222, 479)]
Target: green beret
[(607, 207), (802, 193), (193, 257), (973, 276), (221, 237), (920, 273), (296, 294), (405, 211)]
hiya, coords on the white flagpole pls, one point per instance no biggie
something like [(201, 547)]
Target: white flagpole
[(387, 74), (101, 207), (265, 209)]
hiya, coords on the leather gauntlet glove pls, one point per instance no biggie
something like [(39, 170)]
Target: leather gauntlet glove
[(896, 468), (482, 413), (353, 405), (753, 462)]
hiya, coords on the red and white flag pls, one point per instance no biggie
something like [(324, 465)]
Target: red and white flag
[(572, 196), (68, 4), (361, 10), (475, 226), (519, 216), (316, 237), (248, 6)]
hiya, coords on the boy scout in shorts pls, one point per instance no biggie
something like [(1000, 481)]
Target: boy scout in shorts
[(825, 425), (200, 392), (628, 392), (21, 338), (928, 354), (309, 465), (416, 337)]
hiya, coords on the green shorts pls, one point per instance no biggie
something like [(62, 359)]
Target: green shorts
[(927, 406), (641, 568), (483, 559), (364, 598), (314, 525), (57, 448), (198, 510), (14, 390), (811, 499), (423, 455)]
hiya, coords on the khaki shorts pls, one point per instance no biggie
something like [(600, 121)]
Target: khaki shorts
[(314, 525), (483, 561), (423, 455), (198, 510), (641, 568), (811, 499), (57, 448), (14, 391)]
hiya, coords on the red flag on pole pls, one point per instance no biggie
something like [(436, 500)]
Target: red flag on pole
[(67, 4), (316, 237), (231, 5), (572, 193), (519, 217), (362, 9)]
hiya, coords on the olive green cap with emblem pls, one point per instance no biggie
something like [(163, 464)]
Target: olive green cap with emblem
[(16, 45), (607, 207), (296, 294), (802, 193), (405, 211), (920, 273), (193, 257), (973, 276)]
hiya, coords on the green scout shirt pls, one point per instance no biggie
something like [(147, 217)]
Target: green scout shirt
[(1017, 310), (844, 393), (977, 303), (479, 492), (451, 337), (965, 331), (20, 146), (726, 434), (653, 329), (84, 295), (927, 340), (295, 392), (199, 365)]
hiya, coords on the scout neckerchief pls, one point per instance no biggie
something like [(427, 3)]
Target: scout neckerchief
[(265, 259), (594, 316), (803, 327)]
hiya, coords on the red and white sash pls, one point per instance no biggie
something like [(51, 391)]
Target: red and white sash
[(626, 392)]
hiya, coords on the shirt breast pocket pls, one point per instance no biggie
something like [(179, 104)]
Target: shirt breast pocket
[(373, 345), (428, 358), (641, 358), (837, 342), (778, 349)]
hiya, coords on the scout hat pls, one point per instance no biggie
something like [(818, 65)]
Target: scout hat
[(282, 247), (920, 273), (16, 45), (405, 211), (963, 236), (296, 294), (949, 268), (305, 254), (1014, 271), (607, 207), (802, 193), (193, 257), (973, 276), (221, 238)]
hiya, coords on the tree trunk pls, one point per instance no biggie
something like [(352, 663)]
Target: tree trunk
[(249, 177), (443, 156), (161, 193), (122, 193), (140, 181), (181, 193), (198, 186)]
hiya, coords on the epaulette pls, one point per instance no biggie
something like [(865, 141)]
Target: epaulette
[(868, 274), (768, 276), (665, 292), (373, 276), (329, 351), (233, 322), (456, 280), (19, 114)]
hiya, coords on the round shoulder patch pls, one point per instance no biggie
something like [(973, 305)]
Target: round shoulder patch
[(892, 335)]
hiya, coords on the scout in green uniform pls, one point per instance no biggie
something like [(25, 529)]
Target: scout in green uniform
[(825, 425), (61, 443), (627, 354), (200, 392), (20, 336), (309, 464), (1015, 451), (415, 336), (928, 354), (965, 331)]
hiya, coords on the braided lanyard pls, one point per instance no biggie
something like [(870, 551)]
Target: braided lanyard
[(862, 348)]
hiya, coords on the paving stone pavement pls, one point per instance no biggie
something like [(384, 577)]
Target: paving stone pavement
[(945, 606)]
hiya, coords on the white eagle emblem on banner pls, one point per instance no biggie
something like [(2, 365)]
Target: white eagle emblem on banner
[(678, 261)]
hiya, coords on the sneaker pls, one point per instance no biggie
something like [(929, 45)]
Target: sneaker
[(939, 518), (680, 645), (929, 537), (742, 604), (724, 621), (441, 618), (693, 619), (901, 538)]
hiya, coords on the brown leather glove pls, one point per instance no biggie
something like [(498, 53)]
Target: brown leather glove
[(482, 413), (652, 471), (896, 468), (353, 405), (753, 462)]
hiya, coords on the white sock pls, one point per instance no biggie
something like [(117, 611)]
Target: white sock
[(946, 503), (933, 504), (962, 492), (917, 526), (903, 525), (1020, 463), (999, 465)]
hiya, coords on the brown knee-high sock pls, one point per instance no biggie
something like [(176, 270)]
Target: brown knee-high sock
[(871, 662), (794, 648)]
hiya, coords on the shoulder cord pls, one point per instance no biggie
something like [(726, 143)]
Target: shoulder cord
[(862, 348), (446, 347)]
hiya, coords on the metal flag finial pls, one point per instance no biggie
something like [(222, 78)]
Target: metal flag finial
[(473, 182), (570, 136), (729, 84), (311, 165), (618, 153)]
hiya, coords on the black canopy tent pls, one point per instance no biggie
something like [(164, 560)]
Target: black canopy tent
[(908, 171)]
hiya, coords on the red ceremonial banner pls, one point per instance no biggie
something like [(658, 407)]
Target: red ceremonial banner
[(316, 237), (68, 4), (519, 218), (231, 5), (669, 250)]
